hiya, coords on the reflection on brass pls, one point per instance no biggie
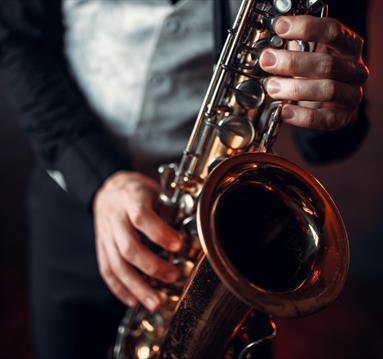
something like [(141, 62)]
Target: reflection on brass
[(263, 237)]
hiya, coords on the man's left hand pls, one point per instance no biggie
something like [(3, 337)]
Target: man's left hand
[(326, 84)]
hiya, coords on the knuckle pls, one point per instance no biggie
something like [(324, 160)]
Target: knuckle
[(334, 30), (133, 187), (118, 292), (364, 72), (140, 291), (136, 215), (306, 30), (128, 251), (161, 236), (328, 90), (118, 268), (292, 63), (327, 66), (105, 271), (153, 270), (310, 118), (295, 90), (331, 121)]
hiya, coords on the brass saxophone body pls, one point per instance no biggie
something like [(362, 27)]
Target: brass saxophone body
[(261, 234)]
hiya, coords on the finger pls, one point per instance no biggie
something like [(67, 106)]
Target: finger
[(320, 119), (314, 90), (115, 286), (130, 279), (323, 30), (149, 223), (133, 251), (313, 65)]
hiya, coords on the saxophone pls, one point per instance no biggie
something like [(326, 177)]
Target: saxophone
[(261, 234)]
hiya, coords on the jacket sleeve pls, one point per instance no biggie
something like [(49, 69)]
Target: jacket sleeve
[(65, 133), (323, 147)]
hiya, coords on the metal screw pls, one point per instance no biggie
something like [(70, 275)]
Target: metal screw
[(283, 6)]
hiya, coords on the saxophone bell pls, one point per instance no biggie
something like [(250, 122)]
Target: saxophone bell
[(273, 235), (272, 238)]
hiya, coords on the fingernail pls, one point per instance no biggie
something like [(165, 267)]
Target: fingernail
[(268, 59), (282, 27), (273, 87), (171, 276), (287, 113), (151, 303), (131, 302)]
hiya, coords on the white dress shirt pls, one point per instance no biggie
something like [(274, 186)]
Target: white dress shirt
[(144, 67)]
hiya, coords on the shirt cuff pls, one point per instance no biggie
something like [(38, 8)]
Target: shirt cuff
[(86, 164)]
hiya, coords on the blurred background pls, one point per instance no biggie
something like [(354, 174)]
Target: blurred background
[(350, 328)]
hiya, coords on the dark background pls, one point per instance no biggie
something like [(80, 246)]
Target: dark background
[(350, 328)]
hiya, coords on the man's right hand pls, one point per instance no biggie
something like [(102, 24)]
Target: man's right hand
[(123, 206)]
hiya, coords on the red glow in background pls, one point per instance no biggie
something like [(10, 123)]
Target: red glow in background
[(350, 328)]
